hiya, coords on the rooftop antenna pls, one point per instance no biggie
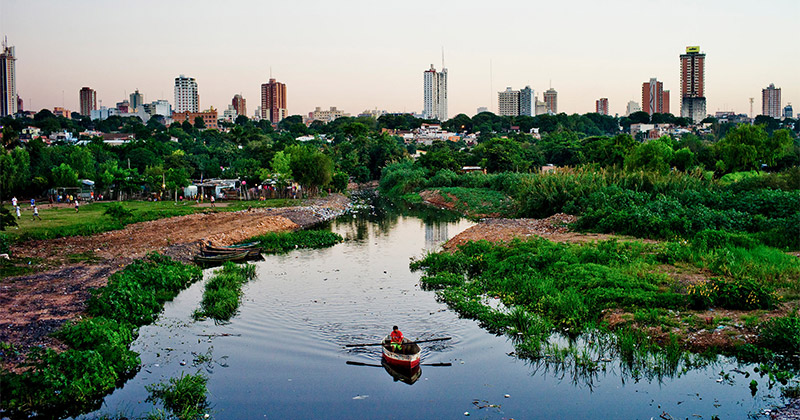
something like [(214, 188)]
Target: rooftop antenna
[(491, 85)]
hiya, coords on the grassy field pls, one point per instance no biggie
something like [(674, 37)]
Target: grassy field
[(64, 221)]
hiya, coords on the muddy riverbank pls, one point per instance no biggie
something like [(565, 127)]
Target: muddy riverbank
[(33, 306)]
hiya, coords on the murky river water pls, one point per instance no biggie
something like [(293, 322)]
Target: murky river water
[(283, 355)]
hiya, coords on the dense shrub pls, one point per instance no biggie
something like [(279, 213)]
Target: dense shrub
[(277, 242)]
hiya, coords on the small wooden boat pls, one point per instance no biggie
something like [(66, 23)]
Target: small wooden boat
[(221, 258), (407, 357), (247, 245), (251, 252)]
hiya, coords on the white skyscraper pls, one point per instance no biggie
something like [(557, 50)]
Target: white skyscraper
[(186, 97), (8, 81), (508, 102), (435, 94)]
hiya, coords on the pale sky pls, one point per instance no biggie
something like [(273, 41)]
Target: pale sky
[(359, 55)]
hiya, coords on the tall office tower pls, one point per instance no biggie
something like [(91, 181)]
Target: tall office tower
[(186, 97), (527, 102), (693, 84), (551, 101), (508, 102), (435, 94), (137, 99), (239, 104), (632, 107), (273, 101), (655, 100), (601, 106), (771, 101), (788, 112), (88, 101), (8, 81)]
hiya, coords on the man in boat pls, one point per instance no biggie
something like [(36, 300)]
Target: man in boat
[(397, 340)]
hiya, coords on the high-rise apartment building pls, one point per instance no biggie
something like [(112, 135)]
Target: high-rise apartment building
[(186, 97), (137, 99), (601, 106), (771, 101), (435, 94), (632, 107), (693, 84), (655, 100), (8, 80), (527, 101), (508, 102), (273, 101), (88, 98), (551, 101), (788, 112), (239, 105)]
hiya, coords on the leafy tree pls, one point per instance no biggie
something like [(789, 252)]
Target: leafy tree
[(312, 169), (439, 156), (501, 155), (683, 159), (654, 155), (742, 149), (199, 123), (561, 148), (64, 176), (460, 123), (639, 117)]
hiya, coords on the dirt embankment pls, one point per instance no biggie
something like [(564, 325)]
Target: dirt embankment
[(33, 306), (554, 228)]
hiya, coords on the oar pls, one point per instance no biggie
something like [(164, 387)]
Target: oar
[(350, 362), (410, 342)]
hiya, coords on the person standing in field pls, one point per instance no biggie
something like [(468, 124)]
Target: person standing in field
[(77, 204), (35, 213), (14, 201), (212, 201), (17, 208)]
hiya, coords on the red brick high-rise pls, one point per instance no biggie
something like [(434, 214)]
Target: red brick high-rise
[(273, 101), (239, 104), (601, 106), (693, 84), (88, 101), (654, 98)]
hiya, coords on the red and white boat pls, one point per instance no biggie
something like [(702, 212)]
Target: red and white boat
[(407, 357)]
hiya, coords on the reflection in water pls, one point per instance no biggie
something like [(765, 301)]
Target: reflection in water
[(435, 235), (405, 375)]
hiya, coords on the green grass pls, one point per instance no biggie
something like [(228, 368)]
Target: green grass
[(185, 396), (279, 242), (479, 201), (223, 292), (60, 222)]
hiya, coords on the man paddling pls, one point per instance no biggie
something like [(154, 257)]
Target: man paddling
[(397, 339)]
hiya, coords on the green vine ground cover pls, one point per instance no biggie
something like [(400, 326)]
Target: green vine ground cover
[(223, 292), (548, 290), (57, 384)]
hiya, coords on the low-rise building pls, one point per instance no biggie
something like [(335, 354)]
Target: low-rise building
[(209, 117), (326, 116)]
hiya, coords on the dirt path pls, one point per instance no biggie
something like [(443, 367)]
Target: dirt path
[(33, 306)]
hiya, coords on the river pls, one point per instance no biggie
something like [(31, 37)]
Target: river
[(283, 355)]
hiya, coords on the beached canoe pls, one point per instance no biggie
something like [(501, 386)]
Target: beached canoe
[(247, 245), (210, 252), (407, 357), (221, 258)]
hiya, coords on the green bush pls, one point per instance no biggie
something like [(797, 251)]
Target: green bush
[(731, 294), (782, 335), (278, 242), (185, 396), (118, 211), (221, 296)]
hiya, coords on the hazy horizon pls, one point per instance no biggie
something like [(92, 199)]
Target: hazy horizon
[(358, 55)]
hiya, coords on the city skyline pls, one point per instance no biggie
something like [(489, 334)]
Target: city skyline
[(374, 65)]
